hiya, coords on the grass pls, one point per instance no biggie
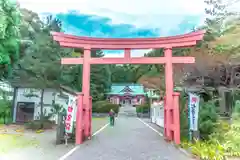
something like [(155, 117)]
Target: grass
[(17, 140), (13, 141)]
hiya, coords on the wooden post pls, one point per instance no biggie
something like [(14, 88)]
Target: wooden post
[(90, 117), (176, 118), (79, 120), (169, 92), (60, 129), (86, 89)]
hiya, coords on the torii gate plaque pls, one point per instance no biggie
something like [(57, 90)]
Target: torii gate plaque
[(172, 122)]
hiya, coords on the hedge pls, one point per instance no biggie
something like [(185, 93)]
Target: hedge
[(144, 108), (104, 107), (37, 124)]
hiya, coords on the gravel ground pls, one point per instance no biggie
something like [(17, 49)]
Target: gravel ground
[(45, 148), (129, 139)]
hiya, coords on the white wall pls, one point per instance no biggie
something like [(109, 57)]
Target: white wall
[(157, 114), (21, 97), (48, 96)]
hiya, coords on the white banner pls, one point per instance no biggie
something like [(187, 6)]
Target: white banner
[(71, 111), (193, 109)]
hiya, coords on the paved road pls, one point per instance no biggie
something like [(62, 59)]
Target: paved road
[(130, 139)]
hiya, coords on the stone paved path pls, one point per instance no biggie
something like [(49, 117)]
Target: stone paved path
[(130, 139)]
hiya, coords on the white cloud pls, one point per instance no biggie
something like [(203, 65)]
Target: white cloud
[(160, 14), (141, 13), (134, 53), (135, 7)]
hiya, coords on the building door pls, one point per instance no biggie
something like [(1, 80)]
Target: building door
[(25, 111)]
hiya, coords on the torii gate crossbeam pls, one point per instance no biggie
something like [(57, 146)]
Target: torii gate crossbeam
[(172, 122)]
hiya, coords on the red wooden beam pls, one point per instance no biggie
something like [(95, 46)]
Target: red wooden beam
[(71, 41), (71, 60), (137, 60), (133, 46), (191, 34), (127, 53), (127, 42)]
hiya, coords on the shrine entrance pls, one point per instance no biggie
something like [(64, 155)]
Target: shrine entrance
[(171, 107)]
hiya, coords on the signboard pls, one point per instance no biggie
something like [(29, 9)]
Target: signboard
[(193, 109), (70, 115)]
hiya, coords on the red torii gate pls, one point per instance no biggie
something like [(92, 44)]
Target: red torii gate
[(172, 122)]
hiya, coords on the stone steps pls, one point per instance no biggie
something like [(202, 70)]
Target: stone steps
[(127, 111)]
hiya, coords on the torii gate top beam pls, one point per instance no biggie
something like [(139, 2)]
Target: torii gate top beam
[(185, 40)]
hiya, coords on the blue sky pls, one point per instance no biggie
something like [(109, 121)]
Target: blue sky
[(123, 18)]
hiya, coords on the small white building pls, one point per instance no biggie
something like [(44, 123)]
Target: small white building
[(26, 102)]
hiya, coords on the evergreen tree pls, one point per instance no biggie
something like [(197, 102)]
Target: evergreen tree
[(9, 36)]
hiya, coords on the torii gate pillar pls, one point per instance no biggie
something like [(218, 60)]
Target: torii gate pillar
[(169, 89), (86, 91)]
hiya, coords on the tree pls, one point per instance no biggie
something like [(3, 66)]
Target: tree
[(100, 80), (9, 36), (39, 48), (29, 27), (40, 66)]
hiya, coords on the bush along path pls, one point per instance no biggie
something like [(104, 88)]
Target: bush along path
[(219, 139), (128, 139)]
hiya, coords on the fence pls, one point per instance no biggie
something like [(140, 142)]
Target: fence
[(157, 114)]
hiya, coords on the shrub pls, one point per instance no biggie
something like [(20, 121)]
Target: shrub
[(37, 124), (206, 150), (232, 136), (144, 108), (207, 119), (104, 107), (98, 104), (232, 139), (5, 111)]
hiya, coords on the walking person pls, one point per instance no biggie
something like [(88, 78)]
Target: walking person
[(112, 117)]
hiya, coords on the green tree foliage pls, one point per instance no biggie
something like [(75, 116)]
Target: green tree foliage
[(39, 48), (100, 80), (9, 36), (207, 119), (40, 65), (222, 27), (104, 107), (124, 73), (5, 110)]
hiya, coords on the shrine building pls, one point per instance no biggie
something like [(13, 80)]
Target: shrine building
[(127, 94)]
